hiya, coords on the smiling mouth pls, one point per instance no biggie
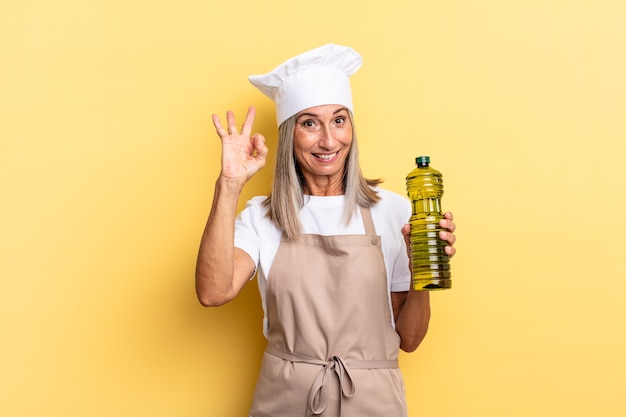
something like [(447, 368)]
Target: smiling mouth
[(325, 156)]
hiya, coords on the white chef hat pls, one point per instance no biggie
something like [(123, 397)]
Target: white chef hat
[(313, 78)]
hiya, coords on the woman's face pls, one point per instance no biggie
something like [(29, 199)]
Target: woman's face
[(322, 140)]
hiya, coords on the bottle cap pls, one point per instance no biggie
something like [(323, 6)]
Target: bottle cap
[(422, 161)]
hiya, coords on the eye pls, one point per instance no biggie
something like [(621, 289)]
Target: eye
[(307, 123), (340, 120)]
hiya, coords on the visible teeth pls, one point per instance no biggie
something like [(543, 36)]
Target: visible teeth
[(325, 156)]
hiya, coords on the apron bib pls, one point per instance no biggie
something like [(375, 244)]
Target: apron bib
[(332, 350)]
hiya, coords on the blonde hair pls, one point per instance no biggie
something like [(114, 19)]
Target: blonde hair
[(287, 196)]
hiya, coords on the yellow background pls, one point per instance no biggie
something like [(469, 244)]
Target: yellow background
[(108, 160)]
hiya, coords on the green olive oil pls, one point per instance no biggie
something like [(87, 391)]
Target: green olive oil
[(429, 262)]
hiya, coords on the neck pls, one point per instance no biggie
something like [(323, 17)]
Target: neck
[(324, 187)]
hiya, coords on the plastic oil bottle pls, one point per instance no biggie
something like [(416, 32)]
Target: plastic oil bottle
[(430, 264)]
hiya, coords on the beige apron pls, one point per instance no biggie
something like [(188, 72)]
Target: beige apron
[(332, 350)]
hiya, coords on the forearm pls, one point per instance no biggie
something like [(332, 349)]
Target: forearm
[(215, 267), (412, 314)]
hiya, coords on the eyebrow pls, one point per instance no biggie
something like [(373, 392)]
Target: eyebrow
[(317, 115)]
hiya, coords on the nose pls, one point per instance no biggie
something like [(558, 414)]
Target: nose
[(327, 139)]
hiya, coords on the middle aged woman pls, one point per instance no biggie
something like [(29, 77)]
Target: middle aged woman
[(329, 248)]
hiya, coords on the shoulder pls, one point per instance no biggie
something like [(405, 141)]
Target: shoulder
[(256, 201), (253, 226), (386, 194), (392, 208), (392, 200), (256, 205), (253, 211)]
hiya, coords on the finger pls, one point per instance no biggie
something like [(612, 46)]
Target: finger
[(247, 124), (258, 141), (448, 215), (232, 125), (448, 237), (218, 126), (450, 251), (406, 232), (447, 224)]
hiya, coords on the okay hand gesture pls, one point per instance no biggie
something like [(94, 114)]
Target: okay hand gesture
[(242, 155)]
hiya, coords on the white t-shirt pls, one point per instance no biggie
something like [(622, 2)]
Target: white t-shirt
[(260, 238)]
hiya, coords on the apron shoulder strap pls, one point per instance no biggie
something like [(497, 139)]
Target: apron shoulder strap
[(368, 223)]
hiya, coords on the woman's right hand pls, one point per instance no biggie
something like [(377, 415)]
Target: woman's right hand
[(242, 155)]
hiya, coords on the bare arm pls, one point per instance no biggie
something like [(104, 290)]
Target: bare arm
[(411, 309), (221, 269)]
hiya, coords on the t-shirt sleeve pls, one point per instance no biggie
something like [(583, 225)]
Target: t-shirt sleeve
[(246, 230), (401, 275)]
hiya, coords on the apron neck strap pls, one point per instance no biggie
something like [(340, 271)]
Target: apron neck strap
[(368, 223)]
